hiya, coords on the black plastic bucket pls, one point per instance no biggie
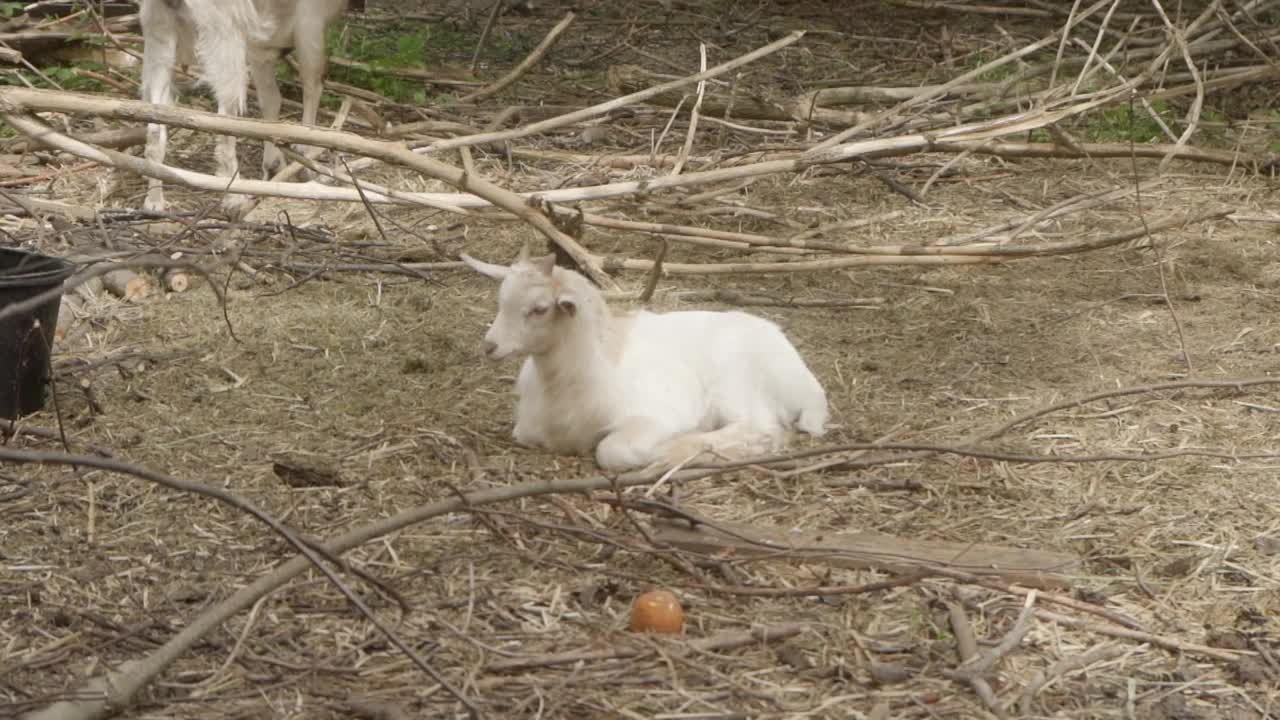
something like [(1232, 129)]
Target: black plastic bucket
[(26, 339)]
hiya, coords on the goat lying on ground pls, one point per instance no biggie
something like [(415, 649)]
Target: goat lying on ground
[(643, 388), (232, 39)]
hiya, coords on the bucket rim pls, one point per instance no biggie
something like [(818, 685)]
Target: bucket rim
[(47, 268)]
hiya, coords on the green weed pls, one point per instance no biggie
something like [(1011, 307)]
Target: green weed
[(1127, 122), (68, 77), (410, 45)]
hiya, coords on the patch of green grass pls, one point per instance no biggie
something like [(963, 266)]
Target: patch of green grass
[(412, 45), (9, 9), (66, 76), (977, 60), (1125, 123), (418, 46)]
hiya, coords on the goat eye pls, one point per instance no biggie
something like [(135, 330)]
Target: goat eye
[(538, 310)]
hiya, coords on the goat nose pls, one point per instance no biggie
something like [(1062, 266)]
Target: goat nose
[(490, 347)]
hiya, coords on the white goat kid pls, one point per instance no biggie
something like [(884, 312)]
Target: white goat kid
[(232, 39), (643, 389)]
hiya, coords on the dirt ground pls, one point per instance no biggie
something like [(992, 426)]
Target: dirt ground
[(378, 376)]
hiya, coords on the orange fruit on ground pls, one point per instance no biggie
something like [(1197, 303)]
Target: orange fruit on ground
[(657, 611)]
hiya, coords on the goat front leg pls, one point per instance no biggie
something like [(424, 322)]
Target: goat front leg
[(230, 103), (226, 70), (262, 68), (311, 67), (636, 442), (159, 55)]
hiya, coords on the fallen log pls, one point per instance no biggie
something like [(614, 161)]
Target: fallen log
[(127, 284), (869, 550)]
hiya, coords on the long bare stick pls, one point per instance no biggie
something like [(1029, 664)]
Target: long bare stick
[(721, 641), (967, 649), (922, 255), (532, 59), (1172, 644), (26, 100), (954, 139), (693, 115)]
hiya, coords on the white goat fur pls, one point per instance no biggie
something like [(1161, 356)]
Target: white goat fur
[(233, 40), (643, 388)]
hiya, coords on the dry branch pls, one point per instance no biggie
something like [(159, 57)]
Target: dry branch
[(922, 254), (116, 139), (282, 132), (982, 663), (1066, 666), (14, 100), (967, 649), (126, 284), (22, 100), (427, 76), (631, 78), (1034, 568), (740, 299), (1109, 150), (901, 108), (1171, 644), (533, 58), (715, 643)]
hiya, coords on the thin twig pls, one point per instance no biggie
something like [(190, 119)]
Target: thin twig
[(651, 283), (533, 59), (484, 32), (967, 649)]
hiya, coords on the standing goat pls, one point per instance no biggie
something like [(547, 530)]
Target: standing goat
[(643, 388), (232, 39)]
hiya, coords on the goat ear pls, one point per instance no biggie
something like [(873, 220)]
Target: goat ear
[(545, 264), (524, 253), (497, 272), (568, 303)]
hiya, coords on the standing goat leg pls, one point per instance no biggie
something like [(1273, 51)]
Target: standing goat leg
[(158, 61), (309, 45), (262, 68)]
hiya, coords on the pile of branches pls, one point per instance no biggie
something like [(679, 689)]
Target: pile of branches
[(1097, 57)]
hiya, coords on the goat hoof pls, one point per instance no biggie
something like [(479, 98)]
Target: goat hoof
[(154, 203), (235, 207), (272, 162)]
